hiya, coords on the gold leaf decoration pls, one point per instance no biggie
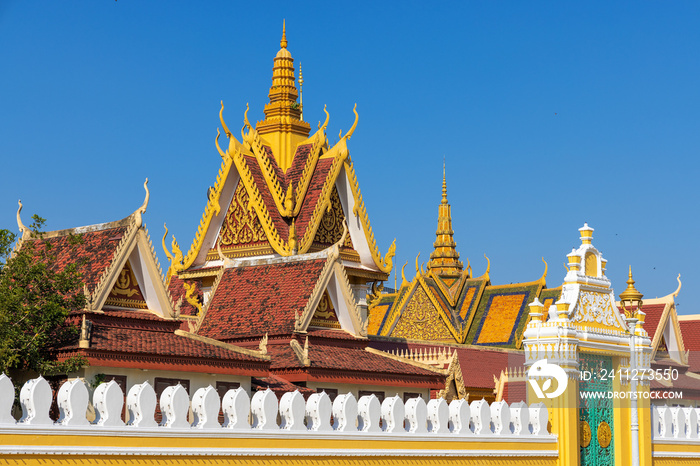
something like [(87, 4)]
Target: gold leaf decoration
[(330, 230), (241, 226)]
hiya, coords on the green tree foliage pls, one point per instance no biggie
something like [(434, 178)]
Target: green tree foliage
[(35, 301)]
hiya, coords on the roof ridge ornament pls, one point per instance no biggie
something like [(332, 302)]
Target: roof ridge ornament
[(24, 231), (142, 210), (678, 290)]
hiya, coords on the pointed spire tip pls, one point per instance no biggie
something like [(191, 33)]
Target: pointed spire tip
[(283, 42)]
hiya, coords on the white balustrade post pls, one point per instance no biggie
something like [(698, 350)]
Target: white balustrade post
[(7, 398), (481, 417), (35, 398), (691, 420), (393, 414), (263, 408), (318, 412), (205, 407), (520, 417), (500, 417), (236, 407), (292, 411), (345, 413), (108, 400), (460, 417), (369, 411), (539, 417), (73, 400), (141, 402), (416, 416), (174, 405), (438, 416)]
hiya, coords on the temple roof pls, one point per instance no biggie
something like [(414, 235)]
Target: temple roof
[(260, 299), (282, 192)]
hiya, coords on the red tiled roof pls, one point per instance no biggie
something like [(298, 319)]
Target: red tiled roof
[(653, 317), (318, 179), (279, 386), (329, 356), (260, 299), (515, 391), (479, 367), (690, 329), (298, 164), (92, 252)]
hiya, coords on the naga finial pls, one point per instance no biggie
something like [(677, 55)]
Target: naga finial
[(292, 241), (223, 123), (142, 210), (488, 264), (544, 275), (246, 123), (403, 276), (165, 248), (216, 141), (417, 266), (678, 290), (23, 230), (325, 123), (354, 125)]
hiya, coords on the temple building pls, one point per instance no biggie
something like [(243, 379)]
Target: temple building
[(445, 303), (284, 256)]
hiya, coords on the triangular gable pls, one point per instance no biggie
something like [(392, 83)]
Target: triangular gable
[(137, 250), (419, 306), (330, 229), (325, 315), (241, 233), (126, 292), (101, 253), (666, 335), (333, 283), (421, 320), (276, 200)]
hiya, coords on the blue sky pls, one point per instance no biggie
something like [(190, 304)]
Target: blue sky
[(548, 114)]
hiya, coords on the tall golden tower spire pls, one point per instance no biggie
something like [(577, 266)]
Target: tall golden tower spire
[(444, 260), (282, 127)]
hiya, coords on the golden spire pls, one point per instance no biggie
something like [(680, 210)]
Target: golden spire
[(283, 41), (282, 129), (444, 260), (631, 295)]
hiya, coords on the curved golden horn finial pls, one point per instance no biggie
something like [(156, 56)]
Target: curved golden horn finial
[(678, 290), (354, 125), (417, 266), (246, 123), (403, 276), (328, 118), (216, 141), (488, 264), (223, 123), (283, 41), (544, 275), (23, 230), (165, 248), (345, 233), (566, 266), (142, 210)]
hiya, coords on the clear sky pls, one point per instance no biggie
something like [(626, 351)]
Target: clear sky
[(548, 114)]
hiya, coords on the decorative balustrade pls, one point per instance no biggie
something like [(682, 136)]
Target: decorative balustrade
[(392, 416), (673, 423)]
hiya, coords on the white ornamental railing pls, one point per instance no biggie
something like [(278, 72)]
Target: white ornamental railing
[(260, 414), (675, 423)]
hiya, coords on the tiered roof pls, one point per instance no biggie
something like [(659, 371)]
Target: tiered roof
[(130, 320), (445, 303)]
